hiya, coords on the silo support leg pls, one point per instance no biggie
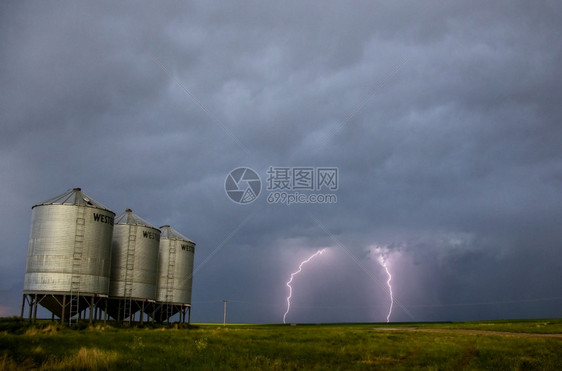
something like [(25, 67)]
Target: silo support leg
[(30, 307), (63, 309), (22, 306), (35, 309), (91, 309), (80, 311)]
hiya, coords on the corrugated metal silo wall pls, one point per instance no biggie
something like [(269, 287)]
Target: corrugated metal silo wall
[(59, 235), (175, 271), (134, 262)]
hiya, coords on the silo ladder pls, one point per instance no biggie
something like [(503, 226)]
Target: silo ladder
[(170, 283), (77, 259), (129, 273)]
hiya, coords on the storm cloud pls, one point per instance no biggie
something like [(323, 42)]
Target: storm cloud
[(442, 118)]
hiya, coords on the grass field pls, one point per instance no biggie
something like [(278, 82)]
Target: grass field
[(524, 344)]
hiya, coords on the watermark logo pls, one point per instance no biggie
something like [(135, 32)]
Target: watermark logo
[(242, 185), (285, 185), (302, 178), (295, 185)]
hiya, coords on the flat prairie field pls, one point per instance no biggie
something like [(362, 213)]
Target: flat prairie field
[(506, 344)]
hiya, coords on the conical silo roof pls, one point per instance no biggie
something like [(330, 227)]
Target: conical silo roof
[(128, 217), (74, 196), (171, 234)]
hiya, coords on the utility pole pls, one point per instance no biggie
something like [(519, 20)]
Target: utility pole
[(224, 317)]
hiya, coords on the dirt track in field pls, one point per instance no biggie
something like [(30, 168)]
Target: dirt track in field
[(470, 332)]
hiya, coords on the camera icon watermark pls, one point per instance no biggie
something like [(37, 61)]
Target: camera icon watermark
[(285, 185), (242, 185)]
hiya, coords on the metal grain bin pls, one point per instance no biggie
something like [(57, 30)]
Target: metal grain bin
[(69, 246), (134, 258), (175, 267)]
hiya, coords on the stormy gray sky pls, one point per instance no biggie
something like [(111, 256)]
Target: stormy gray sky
[(443, 119)]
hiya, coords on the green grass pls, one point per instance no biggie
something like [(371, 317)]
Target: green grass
[(433, 346), (544, 326)]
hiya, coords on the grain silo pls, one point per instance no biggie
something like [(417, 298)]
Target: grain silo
[(175, 271), (69, 255), (134, 266)]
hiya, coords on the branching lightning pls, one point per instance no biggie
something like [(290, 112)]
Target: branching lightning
[(319, 252), (383, 264)]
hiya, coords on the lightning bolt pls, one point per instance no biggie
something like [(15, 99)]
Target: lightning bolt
[(383, 264), (319, 252)]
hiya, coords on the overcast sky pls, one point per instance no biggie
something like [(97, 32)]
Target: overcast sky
[(443, 119)]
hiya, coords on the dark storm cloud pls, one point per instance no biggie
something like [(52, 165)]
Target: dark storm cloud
[(443, 120)]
